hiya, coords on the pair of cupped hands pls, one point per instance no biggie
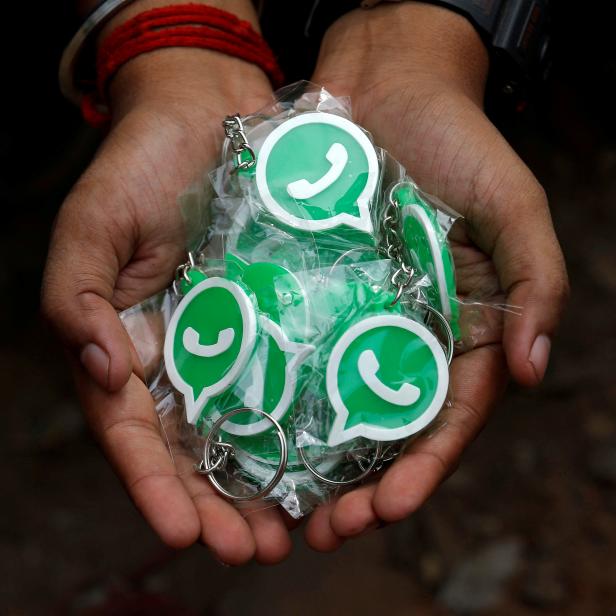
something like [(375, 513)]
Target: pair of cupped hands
[(415, 74)]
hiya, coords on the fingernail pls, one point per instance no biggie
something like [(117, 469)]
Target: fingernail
[(96, 362), (539, 355)]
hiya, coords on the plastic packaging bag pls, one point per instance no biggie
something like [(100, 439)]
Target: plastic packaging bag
[(310, 333)]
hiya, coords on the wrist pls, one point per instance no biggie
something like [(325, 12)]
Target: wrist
[(409, 40), (187, 80)]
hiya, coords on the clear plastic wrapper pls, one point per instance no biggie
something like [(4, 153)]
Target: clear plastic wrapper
[(311, 331)]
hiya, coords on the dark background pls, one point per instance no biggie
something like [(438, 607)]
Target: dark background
[(526, 526)]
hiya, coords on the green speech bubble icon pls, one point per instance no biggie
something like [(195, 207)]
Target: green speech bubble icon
[(318, 171), (209, 341), (387, 378)]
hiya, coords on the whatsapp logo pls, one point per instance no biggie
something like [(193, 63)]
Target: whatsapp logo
[(318, 171), (209, 341), (269, 382), (386, 378)]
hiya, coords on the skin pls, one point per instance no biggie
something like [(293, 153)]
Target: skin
[(119, 237)]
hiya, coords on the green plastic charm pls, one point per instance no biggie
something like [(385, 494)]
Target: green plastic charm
[(430, 252), (318, 171), (209, 341), (387, 378)]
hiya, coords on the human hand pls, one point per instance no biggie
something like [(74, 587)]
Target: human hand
[(416, 76), (118, 239)]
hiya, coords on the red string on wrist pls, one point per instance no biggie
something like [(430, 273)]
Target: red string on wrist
[(183, 14), (185, 25)]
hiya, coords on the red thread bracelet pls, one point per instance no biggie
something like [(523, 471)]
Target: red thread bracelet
[(184, 14), (186, 25)]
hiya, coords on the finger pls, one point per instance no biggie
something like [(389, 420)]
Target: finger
[(77, 290), (478, 379), (508, 216), (528, 338), (223, 529), (319, 534), (354, 512), (273, 543), (532, 272), (126, 425)]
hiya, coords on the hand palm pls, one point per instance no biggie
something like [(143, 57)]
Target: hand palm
[(451, 150), (160, 159), (128, 198)]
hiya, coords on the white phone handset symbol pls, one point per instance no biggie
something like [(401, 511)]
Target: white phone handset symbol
[(190, 339), (303, 189), (368, 366)]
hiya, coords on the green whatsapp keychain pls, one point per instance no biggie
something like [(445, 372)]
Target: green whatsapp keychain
[(318, 171), (209, 341), (429, 250), (226, 330), (383, 373), (387, 378), (226, 352)]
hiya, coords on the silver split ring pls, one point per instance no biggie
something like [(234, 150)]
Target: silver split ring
[(338, 483), (214, 460)]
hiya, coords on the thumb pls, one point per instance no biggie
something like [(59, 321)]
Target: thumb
[(518, 228), (78, 287), (508, 218), (532, 271)]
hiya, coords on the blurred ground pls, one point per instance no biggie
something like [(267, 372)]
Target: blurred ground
[(526, 526)]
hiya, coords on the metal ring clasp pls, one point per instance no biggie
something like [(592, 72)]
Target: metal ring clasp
[(182, 272), (236, 136), (217, 453), (338, 483)]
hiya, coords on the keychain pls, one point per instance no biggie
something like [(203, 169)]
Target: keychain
[(428, 249), (318, 171)]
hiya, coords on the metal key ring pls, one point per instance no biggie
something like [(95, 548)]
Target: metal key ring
[(333, 482), (390, 193), (207, 466)]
